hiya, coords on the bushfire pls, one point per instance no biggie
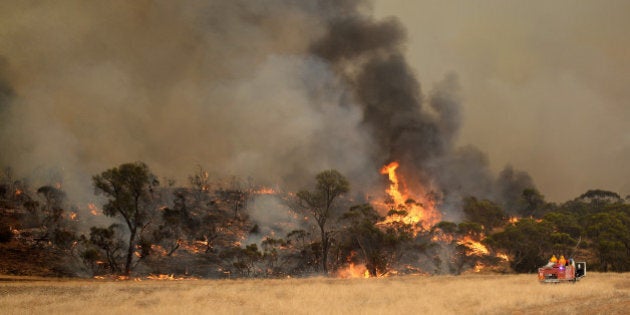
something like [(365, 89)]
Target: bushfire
[(415, 207)]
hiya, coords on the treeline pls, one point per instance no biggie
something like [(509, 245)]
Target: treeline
[(594, 227), (205, 229)]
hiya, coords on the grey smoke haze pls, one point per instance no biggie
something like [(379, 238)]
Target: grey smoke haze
[(222, 84), (274, 90), (544, 83)]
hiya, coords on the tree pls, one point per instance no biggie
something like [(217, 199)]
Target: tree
[(611, 240), (528, 243), (320, 203), (484, 212), (598, 199), (128, 188), (105, 240), (55, 228), (242, 260), (303, 255), (511, 184), (378, 245), (532, 204)]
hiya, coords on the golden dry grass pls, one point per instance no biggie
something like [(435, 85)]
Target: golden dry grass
[(471, 294)]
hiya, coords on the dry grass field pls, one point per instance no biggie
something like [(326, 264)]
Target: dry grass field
[(471, 294)]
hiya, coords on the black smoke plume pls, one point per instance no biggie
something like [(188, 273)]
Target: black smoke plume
[(276, 90)]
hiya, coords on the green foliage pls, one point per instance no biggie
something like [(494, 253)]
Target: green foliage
[(91, 257), (242, 260), (599, 196), (597, 222), (128, 189), (484, 212), (610, 235), (107, 244), (320, 204), (532, 204), (470, 228), (565, 223), (447, 227), (527, 242), (377, 246)]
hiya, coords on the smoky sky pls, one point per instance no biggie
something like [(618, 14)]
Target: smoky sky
[(271, 90), (543, 83)]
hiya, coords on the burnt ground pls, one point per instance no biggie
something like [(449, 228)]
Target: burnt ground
[(22, 259), (24, 255)]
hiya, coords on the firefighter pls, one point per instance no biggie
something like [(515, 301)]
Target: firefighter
[(551, 262), (562, 261)]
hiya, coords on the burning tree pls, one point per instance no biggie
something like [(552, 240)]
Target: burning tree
[(320, 203), (129, 189), (377, 244)]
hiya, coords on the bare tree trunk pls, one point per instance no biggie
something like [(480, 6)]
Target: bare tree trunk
[(132, 236), (324, 250)]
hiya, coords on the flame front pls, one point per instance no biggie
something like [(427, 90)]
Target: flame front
[(476, 248), (419, 209), (265, 191), (354, 271)]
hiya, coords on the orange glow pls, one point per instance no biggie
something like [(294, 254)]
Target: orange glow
[(195, 247), (168, 277), (73, 216), (442, 237), (159, 250), (18, 192), (422, 210), (94, 210), (265, 191), (354, 271), (513, 220), (478, 267), (475, 247)]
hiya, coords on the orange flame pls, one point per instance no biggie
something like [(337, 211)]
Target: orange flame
[(442, 237), (94, 210), (476, 248), (354, 271), (170, 277), (265, 191), (423, 210)]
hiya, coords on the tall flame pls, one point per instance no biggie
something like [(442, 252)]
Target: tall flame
[(419, 208)]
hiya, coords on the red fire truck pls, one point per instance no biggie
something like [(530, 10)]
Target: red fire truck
[(561, 271)]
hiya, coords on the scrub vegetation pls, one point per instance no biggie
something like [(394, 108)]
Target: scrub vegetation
[(598, 293)]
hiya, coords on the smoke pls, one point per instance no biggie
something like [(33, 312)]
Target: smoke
[(421, 137), (275, 90), (273, 218)]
